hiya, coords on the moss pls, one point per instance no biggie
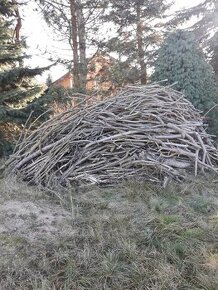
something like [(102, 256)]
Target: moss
[(170, 219), (202, 205), (107, 194), (12, 240), (196, 233)]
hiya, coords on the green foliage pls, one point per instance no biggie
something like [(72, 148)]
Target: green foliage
[(136, 34), (122, 73), (5, 145), (181, 62), (17, 87), (59, 94), (213, 50), (7, 7), (47, 104), (206, 22)]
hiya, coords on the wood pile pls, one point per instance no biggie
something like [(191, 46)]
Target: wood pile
[(145, 132)]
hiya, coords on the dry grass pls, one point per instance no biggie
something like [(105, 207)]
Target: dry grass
[(136, 237)]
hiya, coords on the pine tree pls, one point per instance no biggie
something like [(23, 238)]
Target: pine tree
[(181, 62), (17, 87), (139, 28)]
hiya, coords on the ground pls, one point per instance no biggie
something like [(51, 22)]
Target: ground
[(134, 236)]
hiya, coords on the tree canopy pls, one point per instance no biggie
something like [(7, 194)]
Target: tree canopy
[(139, 27)]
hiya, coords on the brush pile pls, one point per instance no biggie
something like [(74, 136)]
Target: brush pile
[(149, 132)]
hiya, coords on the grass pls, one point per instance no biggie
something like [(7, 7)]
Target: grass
[(132, 237)]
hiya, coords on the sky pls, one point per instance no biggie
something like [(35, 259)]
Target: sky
[(41, 39)]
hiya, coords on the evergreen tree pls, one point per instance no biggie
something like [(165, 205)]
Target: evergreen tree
[(213, 51), (44, 107), (205, 27), (139, 27), (17, 88), (7, 8), (181, 62)]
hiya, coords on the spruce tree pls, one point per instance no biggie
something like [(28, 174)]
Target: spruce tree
[(181, 62), (17, 87), (205, 26)]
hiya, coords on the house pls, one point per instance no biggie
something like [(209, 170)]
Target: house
[(98, 76), (65, 81)]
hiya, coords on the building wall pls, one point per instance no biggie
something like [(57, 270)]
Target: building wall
[(66, 82), (98, 78)]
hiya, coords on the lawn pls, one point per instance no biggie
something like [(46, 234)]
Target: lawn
[(132, 236)]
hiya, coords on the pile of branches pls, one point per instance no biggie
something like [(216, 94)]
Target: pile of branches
[(149, 132)]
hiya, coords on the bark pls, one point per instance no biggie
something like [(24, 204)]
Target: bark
[(82, 46), (214, 50), (16, 34), (140, 46), (74, 37)]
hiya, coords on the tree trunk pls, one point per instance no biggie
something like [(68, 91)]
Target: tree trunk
[(74, 37), (214, 50), (82, 45), (16, 34), (140, 46)]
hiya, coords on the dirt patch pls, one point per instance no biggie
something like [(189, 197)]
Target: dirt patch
[(34, 220)]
